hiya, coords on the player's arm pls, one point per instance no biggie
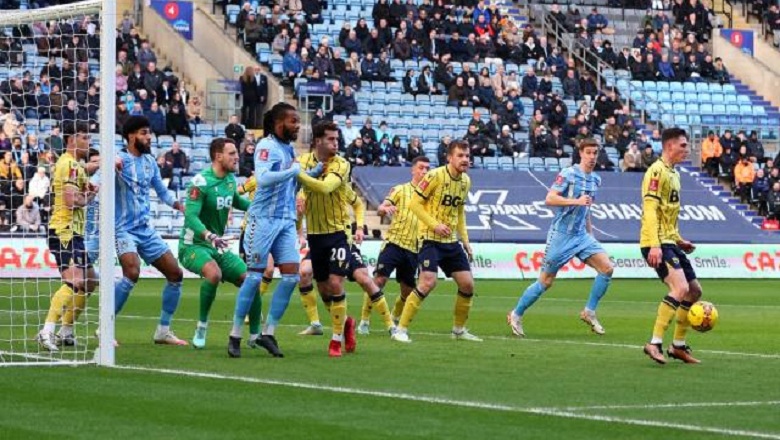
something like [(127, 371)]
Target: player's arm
[(651, 202), (162, 191), (419, 202), (327, 185), (73, 197), (267, 168), (241, 203), (463, 231), (359, 208), (192, 208), (389, 204), (559, 187)]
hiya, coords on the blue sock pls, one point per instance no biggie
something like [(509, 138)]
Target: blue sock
[(531, 294), (281, 298), (246, 294), (599, 289), (170, 301), (121, 293)]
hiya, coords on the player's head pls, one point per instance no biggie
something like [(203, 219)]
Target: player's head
[(224, 154), (94, 156), (458, 156), (589, 151), (283, 122), (326, 137), (77, 139), (420, 166), (138, 134), (675, 145)]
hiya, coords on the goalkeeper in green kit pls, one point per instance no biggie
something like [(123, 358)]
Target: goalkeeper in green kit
[(202, 247)]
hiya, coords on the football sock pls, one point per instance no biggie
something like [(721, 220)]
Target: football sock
[(338, 314), (244, 299), (309, 302), (280, 301), (265, 284), (462, 307), (170, 301), (365, 310), (413, 304), (208, 292), (121, 293), (77, 306), (255, 314), (379, 302), (666, 311), (599, 289), (531, 294), (682, 324), (398, 307), (59, 303)]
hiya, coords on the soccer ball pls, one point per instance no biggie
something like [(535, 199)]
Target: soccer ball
[(703, 316)]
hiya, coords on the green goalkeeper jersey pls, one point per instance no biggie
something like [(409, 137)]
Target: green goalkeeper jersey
[(208, 205)]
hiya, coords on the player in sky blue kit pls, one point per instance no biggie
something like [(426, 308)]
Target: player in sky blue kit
[(271, 228), (570, 236), (137, 173)]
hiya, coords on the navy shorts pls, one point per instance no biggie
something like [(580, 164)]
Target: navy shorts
[(355, 262), (330, 254), (450, 257), (395, 258), (72, 253), (672, 257)]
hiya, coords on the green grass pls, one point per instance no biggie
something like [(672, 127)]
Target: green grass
[(542, 387)]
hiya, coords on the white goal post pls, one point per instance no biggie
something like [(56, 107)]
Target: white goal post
[(25, 294)]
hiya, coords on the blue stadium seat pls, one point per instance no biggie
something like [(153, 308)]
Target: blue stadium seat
[(732, 109), (691, 97), (719, 109), (678, 96), (675, 87), (564, 162), (702, 87), (523, 164), (661, 85), (729, 89), (743, 99), (704, 97), (705, 109), (746, 110), (758, 110), (716, 88), (506, 163), (647, 85), (664, 96), (490, 163), (729, 99), (692, 108)]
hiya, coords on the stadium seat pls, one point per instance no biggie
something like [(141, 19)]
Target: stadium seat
[(506, 163), (490, 163)]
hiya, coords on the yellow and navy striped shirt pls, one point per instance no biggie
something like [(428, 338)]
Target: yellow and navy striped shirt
[(660, 206), (328, 213), (404, 228), (444, 197), (67, 222), (249, 188)]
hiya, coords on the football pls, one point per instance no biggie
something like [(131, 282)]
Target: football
[(703, 316)]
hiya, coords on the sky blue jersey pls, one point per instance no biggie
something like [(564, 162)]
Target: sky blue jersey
[(133, 190), (572, 183), (91, 229), (274, 198)]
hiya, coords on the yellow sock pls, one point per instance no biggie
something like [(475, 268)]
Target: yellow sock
[(379, 302), (265, 284), (365, 309), (462, 308), (338, 313), (309, 302), (681, 329), (73, 312), (398, 307), (413, 304), (666, 311), (61, 301)]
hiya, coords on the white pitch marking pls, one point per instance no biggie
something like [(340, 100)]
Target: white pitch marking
[(673, 405), (459, 403)]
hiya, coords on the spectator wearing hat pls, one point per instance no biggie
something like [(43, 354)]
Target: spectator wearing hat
[(648, 157)]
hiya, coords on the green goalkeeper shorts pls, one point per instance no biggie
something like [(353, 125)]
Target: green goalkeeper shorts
[(194, 257)]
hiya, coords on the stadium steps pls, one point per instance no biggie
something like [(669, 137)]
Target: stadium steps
[(722, 192)]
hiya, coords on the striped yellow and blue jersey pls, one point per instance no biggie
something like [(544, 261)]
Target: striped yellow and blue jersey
[(404, 227), (444, 197)]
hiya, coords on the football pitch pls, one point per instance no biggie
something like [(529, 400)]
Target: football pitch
[(561, 382)]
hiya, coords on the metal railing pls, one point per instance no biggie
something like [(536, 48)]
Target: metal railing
[(727, 9)]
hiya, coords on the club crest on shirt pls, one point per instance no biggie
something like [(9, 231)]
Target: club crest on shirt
[(426, 263), (424, 185), (264, 155), (194, 193), (559, 179), (73, 174), (653, 184)]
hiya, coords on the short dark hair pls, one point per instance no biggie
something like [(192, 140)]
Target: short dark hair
[(133, 124), (71, 128), (319, 129), (92, 153), (419, 159), (276, 113), (217, 145), (457, 144), (588, 142), (671, 134)]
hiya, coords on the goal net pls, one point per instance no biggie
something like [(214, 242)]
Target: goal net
[(57, 98)]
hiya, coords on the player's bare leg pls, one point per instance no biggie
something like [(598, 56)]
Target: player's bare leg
[(169, 267), (603, 266), (373, 298), (465, 281), (532, 293), (308, 300), (425, 284), (667, 310)]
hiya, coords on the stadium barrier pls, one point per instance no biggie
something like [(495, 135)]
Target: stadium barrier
[(30, 258)]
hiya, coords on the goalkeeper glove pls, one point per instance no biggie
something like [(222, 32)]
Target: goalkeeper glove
[(220, 243)]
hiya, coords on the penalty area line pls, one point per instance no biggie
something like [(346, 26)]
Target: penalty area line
[(552, 412), (673, 405)]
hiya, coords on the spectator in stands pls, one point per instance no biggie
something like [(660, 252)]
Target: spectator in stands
[(348, 132), (598, 23), (441, 152), (508, 146), (156, 120), (175, 165), (401, 48), (135, 80), (351, 77), (760, 191), (728, 161), (5, 143), (253, 31), (369, 68), (425, 82), (720, 74), (39, 184), (145, 100), (611, 132), (344, 102), (409, 82), (254, 93), (744, 175), (234, 130), (383, 131), (153, 78), (772, 20), (292, 65), (588, 85), (246, 162), (632, 160), (458, 94), (384, 71), (10, 175), (396, 156), (176, 123), (414, 149), (711, 151), (368, 132), (28, 217), (145, 55), (280, 41), (313, 10), (773, 202), (530, 83), (728, 140), (54, 141), (756, 148), (648, 157), (357, 153), (194, 110), (381, 11)]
